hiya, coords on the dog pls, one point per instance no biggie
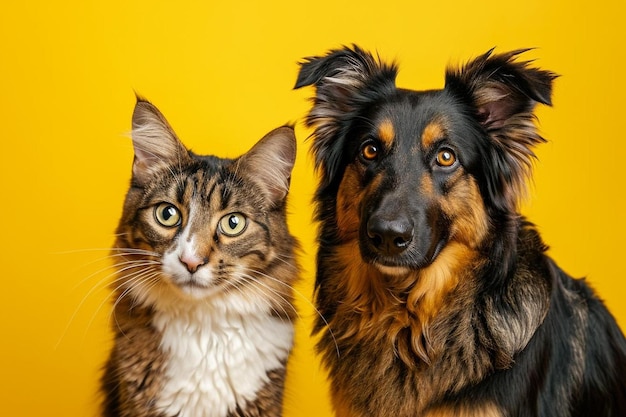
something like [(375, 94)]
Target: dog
[(436, 297)]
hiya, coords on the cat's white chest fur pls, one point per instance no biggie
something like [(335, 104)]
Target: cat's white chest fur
[(218, 356)]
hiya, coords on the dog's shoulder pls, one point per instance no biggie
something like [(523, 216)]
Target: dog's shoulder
[(583, 336)]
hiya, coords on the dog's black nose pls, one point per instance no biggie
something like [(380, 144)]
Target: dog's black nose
[(389, 237)]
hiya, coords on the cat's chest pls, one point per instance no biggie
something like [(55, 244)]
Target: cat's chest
[(217, 361)]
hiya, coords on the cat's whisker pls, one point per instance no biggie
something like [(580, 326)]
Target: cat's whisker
[(99, 285), (112, 266), (121, 280), (308, 302), (274, 293), (286, 259), (233, 285), (239, 285), (141, 268), (280, 282), (80, 251), (108, 249), (135, 251), (133, 285), (252, 278), (135, 263), (110, 255), (94, 273)]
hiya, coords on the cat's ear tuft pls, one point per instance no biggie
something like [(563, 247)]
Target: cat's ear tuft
[(270, 161), (154, 142)]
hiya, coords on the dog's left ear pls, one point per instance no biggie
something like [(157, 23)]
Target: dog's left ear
[(345, 81), (504, 93)]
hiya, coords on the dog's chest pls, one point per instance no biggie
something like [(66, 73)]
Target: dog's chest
[(217, 362)]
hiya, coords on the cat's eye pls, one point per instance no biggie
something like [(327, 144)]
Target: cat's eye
[(167, 215), (233, 224), (369, 151), (445, 158)]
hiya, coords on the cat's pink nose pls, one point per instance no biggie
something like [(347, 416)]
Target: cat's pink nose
[(192, 262)]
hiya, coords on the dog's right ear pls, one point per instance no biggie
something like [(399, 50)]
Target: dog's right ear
[(504, 92), (345, 80)]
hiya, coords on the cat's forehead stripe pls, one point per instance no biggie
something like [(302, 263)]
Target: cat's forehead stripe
[(200, 185)]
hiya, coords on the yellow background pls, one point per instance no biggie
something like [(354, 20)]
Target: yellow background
[(222, 73)]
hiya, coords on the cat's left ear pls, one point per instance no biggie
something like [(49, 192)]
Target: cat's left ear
[(270, 161), (154, 142)]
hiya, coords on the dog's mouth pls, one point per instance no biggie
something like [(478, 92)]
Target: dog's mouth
[(402, 263), (397, 240)]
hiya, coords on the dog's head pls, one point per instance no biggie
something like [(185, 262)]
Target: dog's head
[(407, 172)]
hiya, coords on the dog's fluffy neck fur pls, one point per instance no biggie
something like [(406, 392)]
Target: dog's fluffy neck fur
[(404, 323)]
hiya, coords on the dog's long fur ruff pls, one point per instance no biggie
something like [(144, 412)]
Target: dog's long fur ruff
[(437, 298)]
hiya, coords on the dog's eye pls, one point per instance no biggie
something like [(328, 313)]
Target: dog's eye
[(369, 151), (446, 158)]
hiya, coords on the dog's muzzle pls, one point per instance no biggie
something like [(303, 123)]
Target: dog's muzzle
[(397, 238), (390, 237)]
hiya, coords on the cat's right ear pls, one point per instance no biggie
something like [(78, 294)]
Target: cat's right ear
[(154, 142), (270, 161)]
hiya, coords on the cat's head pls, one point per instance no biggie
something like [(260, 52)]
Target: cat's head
[(199, 227)]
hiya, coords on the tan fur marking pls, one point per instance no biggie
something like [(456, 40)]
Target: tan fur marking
[(433, 131), (437, 280), (484, 410), (357, 288), (464, 205), (426, 185), (347, 211), (386, 132), (379, 310), (349, 197), (341, 405), (375, 314)]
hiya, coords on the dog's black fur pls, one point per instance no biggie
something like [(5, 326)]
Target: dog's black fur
[(437, 297)]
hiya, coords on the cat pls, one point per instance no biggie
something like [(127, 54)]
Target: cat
[(203, 313)]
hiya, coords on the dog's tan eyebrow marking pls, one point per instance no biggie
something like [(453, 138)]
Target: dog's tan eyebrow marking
[(426, 185), (433, 131), (386, 132)]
